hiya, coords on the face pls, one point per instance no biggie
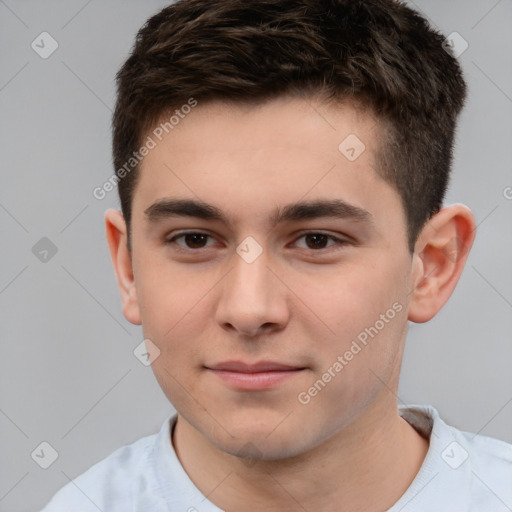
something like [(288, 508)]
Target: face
[(272, 272)]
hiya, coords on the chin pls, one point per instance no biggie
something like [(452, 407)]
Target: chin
[(253, 447), (268, 438)]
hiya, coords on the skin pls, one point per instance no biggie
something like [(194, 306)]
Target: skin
[(347, 448)]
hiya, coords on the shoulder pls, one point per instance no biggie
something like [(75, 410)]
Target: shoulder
[(483, 453), (489, 463), (480, 450), (108, 484), (462, 470)]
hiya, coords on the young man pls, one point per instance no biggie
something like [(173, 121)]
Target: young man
[(281, 167)]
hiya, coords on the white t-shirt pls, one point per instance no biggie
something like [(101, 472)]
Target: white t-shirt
[(462, 472)]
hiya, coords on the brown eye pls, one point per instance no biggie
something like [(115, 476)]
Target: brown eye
[(319, 241), (316, 241), (191, 240)]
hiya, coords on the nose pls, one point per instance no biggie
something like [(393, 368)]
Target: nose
[(253, 299)]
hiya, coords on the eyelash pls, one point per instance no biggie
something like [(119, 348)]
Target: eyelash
[(172, 241)]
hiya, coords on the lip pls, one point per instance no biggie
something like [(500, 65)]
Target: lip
[(254, 376), (261, 366)]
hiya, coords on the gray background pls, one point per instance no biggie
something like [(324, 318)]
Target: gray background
[(68, 375)]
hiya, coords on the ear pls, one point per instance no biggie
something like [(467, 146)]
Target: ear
[(439, 257), (117, 238)]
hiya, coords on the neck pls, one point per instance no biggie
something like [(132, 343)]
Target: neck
[(366, 466)]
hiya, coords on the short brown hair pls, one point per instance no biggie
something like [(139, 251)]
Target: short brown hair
[(378, 52)]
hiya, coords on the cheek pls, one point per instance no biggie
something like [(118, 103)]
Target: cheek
[(174, 318), (352, 298), (168, 292), (364, 307), (173, 308), (355, 368)]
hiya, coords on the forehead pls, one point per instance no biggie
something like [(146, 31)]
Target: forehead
[(250, 159), (282, 121)]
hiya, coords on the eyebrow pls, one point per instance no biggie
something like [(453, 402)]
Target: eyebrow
[(305, 210)]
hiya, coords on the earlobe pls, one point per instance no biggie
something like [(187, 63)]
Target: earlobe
[(439, 258), (117, 238)]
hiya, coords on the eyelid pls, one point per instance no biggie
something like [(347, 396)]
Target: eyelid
[(339, 240), (337, 236), (171, 239)]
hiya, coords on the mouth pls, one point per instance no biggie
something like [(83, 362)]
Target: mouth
[(254, 376)]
